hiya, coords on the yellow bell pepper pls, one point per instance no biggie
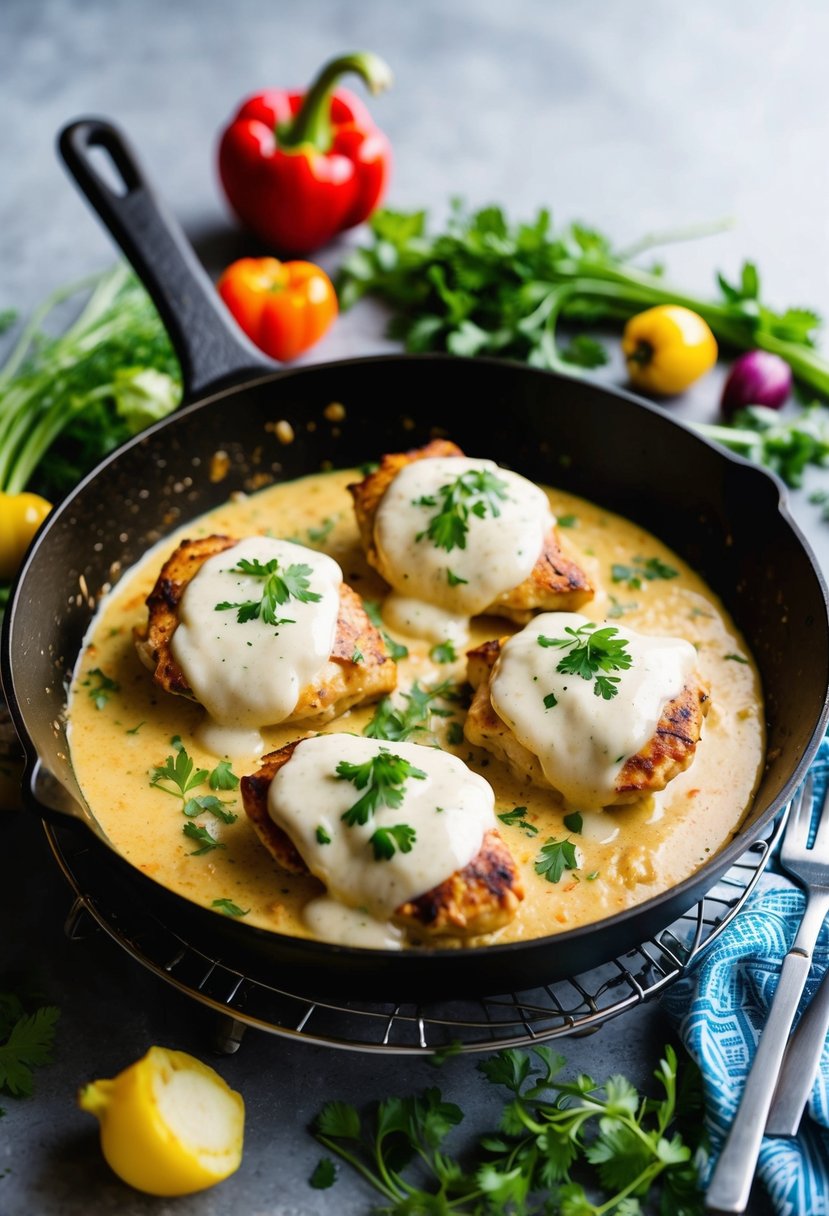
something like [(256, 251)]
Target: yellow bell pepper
[(169, 1124), (667, 348), (20, 517)]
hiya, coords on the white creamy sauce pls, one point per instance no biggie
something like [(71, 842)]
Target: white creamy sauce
[(250, 674), (495, 553), (421, 620), (449, 809), (331, 921), (583, 741)]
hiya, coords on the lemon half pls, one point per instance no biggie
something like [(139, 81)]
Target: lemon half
[(170, 1125)]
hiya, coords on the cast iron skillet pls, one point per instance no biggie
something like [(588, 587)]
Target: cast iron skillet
[(721, 514)]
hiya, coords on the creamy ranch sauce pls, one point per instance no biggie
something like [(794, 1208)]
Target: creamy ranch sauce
[(497, 552), (448, 807), (583, 740), (634, 851)]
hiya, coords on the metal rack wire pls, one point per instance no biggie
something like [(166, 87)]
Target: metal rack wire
[(573, 1006)]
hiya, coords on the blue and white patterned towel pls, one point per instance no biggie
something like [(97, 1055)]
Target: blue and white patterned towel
[(719, 1011)]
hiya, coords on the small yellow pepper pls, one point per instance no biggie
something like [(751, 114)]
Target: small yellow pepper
[(20, 517), (667, 348), (169, 1124)]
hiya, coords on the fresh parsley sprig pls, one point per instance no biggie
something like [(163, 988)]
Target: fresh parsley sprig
[(179, 772), (555, 857), (518, 818), (648, 568), (279, 586), (397, 723), (617, 1141), (383, 777), (100, 686), (27, 1033), (386, 841), (476, 492), (591, 651)]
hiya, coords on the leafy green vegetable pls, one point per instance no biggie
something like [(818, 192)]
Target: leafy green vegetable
[(100, 685), (383, 777), (107, 376), (396, 649), (592, 650), (324, 1175), (229, 907), (318, 536), (180, 772), (619, 1142), (386, 841), (322, 836), (648, 568), (786, 445), (279, 587), (455, 580), (518, 818), (555, 857), (489, 286), (567, 521), (736, 658), (443, 652), (574, 822), (476, 492), (223, 777), (203, 837), (396, 724), (26, 1038)]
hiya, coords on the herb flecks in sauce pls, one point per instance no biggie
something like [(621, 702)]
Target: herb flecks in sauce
[(648, 568), (100, 686), (229, 908)]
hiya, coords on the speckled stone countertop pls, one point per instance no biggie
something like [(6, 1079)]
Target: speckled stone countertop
[(633, 118)]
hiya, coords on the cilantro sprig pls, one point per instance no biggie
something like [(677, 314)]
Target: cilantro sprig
[(476, 492), (590, 651), (621, 1145), (279, 586)]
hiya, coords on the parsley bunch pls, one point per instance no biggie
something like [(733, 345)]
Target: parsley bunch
[(278, 587), (592, 650), (558, 1142), (475, 492), (178, 776), (486, 285)]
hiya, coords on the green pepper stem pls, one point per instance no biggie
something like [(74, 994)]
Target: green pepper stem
[(312, 122)]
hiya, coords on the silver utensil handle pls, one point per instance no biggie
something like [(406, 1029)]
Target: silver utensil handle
[(800, 1066), (730, 1185)]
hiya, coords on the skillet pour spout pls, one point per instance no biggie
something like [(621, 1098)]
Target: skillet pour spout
[(725, 517)]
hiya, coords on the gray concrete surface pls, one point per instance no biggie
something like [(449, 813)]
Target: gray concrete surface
[(632, 117)]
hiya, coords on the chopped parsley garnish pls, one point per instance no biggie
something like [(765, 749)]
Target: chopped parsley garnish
[(518, 818), (179, 771), (574, 822), (223, 777), (324, 1175), (229, 907), (396, 724), (383, 777), (455, 580), (358, 656), (567, 521), (621, 1145), (736, 658), (591, 651), (208, 802), (555, 857), (648, 568), (396, 649), (592, 876), (443, 652), (318, 536), (550, 701), (322, 836), (618, 609), (100, 686), (386, 841), (203, 837), (133, 730), (476, 492), (279, 587), (454, 733)]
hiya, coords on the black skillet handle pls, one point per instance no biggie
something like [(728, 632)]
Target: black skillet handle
[(212, 350)]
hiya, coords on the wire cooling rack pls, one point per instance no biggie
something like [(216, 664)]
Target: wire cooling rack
[(515, 1019)]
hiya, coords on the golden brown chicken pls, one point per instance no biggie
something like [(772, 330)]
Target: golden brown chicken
[(342, 683), (664, 756), (556, 582), (478, 899)]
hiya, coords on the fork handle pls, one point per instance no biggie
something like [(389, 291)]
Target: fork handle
[(800, 1066), (730, 1185)]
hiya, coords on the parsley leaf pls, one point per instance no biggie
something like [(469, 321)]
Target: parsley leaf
[(736, 658), (650, 569), (592, 650), (203, 837), (318, 536), (321, 835), (567, 521), (386, 841), (518, 818), (396, 724), (100, 686), (555, 857), (574, 822), (455, 580), (584, 351), (229, 907), (383, 777), (291, 583), (223, 777), (443, 652), (208, 802), (396, 649), (324, 1175), (27, 1044), (179, 771), (475, 492)]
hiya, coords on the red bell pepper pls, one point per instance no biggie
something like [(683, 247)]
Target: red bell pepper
[(297, 168)]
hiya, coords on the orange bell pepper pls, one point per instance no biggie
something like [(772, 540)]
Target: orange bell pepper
[(284, 307)]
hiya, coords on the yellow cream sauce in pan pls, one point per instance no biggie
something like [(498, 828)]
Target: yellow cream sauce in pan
[(121, 731)]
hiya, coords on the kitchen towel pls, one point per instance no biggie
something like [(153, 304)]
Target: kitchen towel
[(720, 1009)]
